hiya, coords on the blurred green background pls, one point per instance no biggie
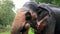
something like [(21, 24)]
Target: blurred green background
[(7, 15)]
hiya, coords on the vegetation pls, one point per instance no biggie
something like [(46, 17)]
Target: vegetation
[(31, 31), (6, 14), (7, 30), (55, 2)]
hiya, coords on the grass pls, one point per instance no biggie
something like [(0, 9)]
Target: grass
[(31, 31), (7, 30)]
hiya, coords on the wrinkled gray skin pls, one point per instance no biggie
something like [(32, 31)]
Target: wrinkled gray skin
[(33, 7), (53, 22)]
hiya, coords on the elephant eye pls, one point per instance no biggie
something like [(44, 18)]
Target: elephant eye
[(28, 16)]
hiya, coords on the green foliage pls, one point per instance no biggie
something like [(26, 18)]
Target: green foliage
[(45, 1), (6, 12), (6, 30), (55, 2), (31, 31)]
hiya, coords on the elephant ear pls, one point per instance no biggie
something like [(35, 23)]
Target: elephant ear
[(42, 12)]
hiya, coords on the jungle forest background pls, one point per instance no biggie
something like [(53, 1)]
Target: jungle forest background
[(7, 14)]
